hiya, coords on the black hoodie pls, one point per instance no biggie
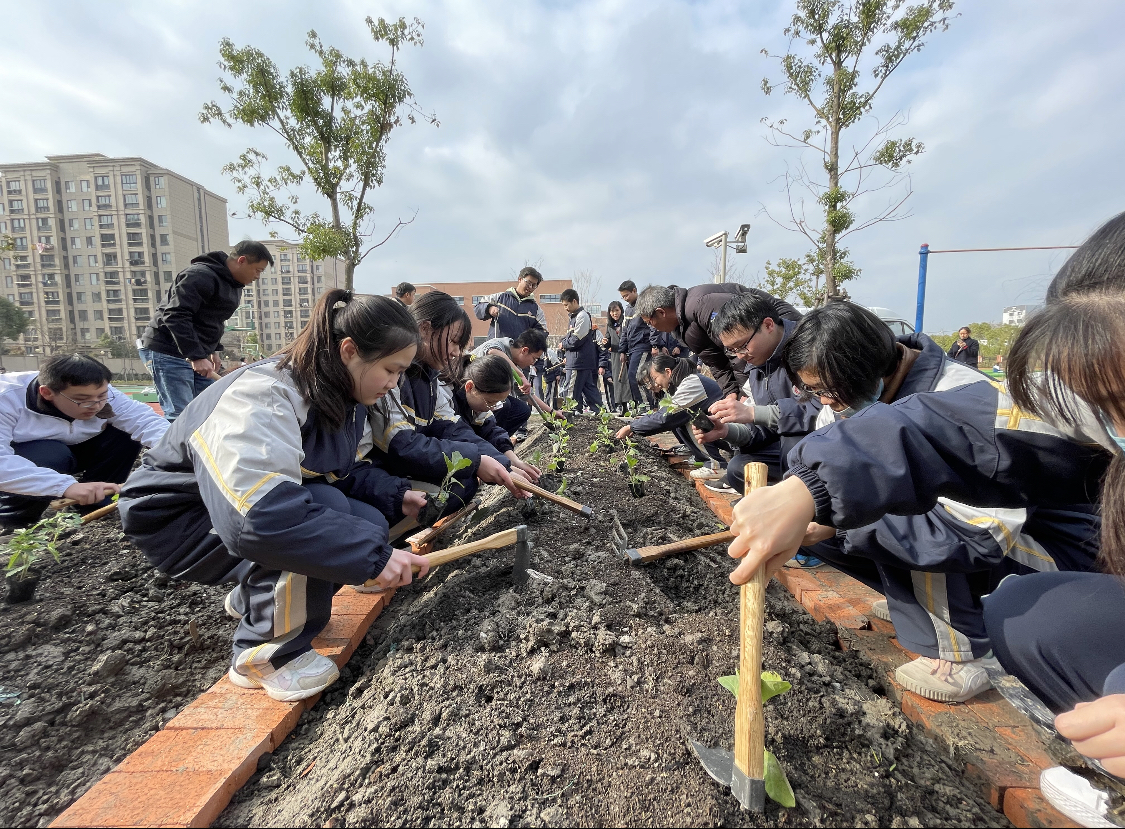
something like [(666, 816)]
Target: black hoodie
[(190, 321)]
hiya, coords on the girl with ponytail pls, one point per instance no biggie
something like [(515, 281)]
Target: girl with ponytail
[(262, 481), (416, 426)]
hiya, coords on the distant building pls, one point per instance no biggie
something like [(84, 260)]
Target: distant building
[(1018, 314), (96, 241), (278, 305), (468, 294)]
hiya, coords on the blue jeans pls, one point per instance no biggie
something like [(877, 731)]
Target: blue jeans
[(176, 382)]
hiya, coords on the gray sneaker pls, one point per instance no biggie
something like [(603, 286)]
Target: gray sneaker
[(302, 677)]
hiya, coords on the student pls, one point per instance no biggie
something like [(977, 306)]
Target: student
[(515, 310), (771, 419), (691, 392), (605, 372), (405, 293), (614, 335), (415, 425), (965, 349), (179, 344), (933, 568), (61, 423), (485, 384), (690, 312), (263, 482), (637, 340), (520, 353), (580, 347)]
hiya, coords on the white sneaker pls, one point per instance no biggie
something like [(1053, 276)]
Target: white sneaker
[(1075, 797), (944, 681), (880, 610), (228, 605), (306, 675), (719, 484), (706, 473)]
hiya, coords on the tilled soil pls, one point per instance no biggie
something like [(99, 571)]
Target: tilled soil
[(105, 654), (571, 702)]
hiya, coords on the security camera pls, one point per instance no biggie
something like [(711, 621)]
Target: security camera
[(716, 240), (741, 235)]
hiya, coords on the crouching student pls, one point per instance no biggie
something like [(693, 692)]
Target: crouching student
[(262, 481), (64, 422), (933, 568), (485, 385), (521, 353), (415, 425), (691, 393)]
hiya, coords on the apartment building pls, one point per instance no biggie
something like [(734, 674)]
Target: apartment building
[(96, 241), (1018, 314), (278, 305), (468, 294)]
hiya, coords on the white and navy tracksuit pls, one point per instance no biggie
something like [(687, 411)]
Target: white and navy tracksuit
[(693, 394), (42, 450), (581, 361), (249, 486), (940, 492), (516, 314)]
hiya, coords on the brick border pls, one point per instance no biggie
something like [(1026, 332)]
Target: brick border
[(186, 774), (997, 744)]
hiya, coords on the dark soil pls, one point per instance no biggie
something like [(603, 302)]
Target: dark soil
[(571, 702), (105, 654)]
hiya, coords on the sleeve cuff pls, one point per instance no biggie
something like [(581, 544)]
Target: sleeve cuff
[(403, 488), (767, 416), (738, 434), (821, 499)]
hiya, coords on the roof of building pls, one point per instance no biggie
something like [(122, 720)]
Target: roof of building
[(96, 157)]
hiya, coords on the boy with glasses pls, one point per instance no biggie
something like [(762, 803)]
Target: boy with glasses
[(62, 422)]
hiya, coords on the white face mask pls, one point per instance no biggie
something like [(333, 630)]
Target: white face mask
[(851, 410), (1108, 423)]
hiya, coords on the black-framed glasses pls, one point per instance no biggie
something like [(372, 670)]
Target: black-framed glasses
[(87, 404), (807, 392), (736, 350)]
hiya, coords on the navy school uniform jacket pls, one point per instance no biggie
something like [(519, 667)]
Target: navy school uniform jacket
[(229, 473), (579, 342), (517, 314), (779, 415), (495, 441), (957, 537), (970, 444), (416, 424), (636, 334), (695, 394)]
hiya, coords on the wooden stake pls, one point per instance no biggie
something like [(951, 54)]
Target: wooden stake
[(749, 728)]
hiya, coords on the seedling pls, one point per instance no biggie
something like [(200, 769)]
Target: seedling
[(536, 457), (435, 504), (562, 487), (777, 784), (27, 546), (637, 480)]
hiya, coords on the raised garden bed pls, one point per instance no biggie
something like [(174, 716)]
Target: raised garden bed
[(105, 654), (571, 702)]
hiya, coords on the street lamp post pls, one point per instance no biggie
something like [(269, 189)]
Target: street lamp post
[(719, 240)]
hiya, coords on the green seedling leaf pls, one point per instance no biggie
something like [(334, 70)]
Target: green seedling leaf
[(773, 685), (638, 477), (595, 446), (631, 460), (562, 488), (777, 784)]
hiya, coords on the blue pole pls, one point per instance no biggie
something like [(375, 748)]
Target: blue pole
[(923, 257)]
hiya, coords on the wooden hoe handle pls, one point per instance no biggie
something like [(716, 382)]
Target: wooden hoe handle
[(63, 503), (573, 506), (493, 542), (643, 555), (749, 728)]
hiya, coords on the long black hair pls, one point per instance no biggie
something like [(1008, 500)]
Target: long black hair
[(1074, 347), (490, 375), (680, 367), (442, 312), (378, 326), (848, 347)]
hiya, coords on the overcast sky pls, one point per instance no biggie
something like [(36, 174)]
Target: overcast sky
[(614, 136)]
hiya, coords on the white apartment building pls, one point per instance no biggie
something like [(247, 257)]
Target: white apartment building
[(97, 241), (278, 305), (1018, 314)]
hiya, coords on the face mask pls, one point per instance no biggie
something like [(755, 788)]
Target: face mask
[(1118, 439), (851, 410)]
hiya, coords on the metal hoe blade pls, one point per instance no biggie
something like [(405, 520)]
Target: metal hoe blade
[(719, 763), (523, 556)]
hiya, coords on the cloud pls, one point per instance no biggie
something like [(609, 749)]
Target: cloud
[(616, 135)]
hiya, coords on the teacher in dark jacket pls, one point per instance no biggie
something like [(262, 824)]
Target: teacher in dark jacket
[(178, 344), (689, 312), (965, 349)]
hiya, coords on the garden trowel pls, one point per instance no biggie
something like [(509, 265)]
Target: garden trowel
[(744, 770)]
